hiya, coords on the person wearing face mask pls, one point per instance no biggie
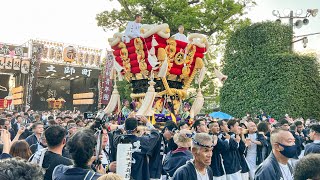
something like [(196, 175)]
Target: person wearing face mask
[(276, 166)]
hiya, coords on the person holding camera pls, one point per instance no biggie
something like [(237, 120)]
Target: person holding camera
[(142, 146), (81, 147)]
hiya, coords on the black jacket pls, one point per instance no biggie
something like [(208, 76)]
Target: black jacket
[(63, 172), (243, 163), (270, 169), (32, 139), (216, 163), (142, 148), (188, 172)]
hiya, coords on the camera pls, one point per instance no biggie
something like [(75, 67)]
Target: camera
[(89, 115)]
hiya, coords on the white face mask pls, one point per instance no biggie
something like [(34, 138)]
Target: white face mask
[(264, 118)]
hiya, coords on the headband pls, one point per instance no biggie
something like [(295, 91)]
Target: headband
[(200, 144)]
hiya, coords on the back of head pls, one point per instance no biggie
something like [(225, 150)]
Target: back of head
[(315, 128), (263, 127), (16, 168), (81, 147), (55, 135), (197, 123), (308, 167), (20, 149), (131, 124), (110, 177)]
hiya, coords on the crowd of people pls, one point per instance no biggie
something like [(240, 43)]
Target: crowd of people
[(63, 145)]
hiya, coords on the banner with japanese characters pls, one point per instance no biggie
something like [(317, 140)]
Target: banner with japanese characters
[(67, 70), (34, 70), (106, 81)]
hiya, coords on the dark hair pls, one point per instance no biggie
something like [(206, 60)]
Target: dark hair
[(182, 124), (293, 127), (15, 112), (8, 115), (137, 15), (263, 127), (298, 123), (315, 128), (18, 116), (71, 121), (34, 125), (52, 122), (308, 167), (131, 124), (220, 122), (231, 122), (17, 168), (26, 114), (55, 135), (81, 147), (59, 117), (36, 116), (283, 121), (197, 123), (50, 118), (20, 149)]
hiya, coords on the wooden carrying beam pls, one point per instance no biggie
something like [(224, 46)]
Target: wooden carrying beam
[(83, 95), (82, 101)]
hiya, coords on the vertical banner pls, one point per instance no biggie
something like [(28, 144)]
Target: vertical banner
[(106, 81), (36, 53), (124, 160)]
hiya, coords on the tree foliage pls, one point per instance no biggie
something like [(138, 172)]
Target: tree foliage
[(215, 18), (263, 73)]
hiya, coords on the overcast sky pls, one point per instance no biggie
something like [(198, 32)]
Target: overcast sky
[(73, 21)]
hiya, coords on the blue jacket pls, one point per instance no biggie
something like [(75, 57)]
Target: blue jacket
[(312, 148), (231, 158), (270, 169), (175, 160), (188, 172)]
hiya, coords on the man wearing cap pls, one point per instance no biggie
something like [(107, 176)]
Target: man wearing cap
[(199, 167), (181, 155)]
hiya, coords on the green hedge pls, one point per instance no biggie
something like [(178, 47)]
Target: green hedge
[(264, 74)]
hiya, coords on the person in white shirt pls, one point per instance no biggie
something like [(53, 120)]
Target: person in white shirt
[(180, 36), (132, 29)]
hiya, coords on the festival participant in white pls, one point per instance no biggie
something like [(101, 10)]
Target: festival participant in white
[(133, 29), (180, 36)]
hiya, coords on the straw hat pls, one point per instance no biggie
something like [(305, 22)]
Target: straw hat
[(181, 138)]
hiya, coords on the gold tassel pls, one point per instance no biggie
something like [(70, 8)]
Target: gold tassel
[(163, 69), (197, 104)]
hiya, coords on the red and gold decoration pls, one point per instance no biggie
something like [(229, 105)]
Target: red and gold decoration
[(169, 65), (69, 54)]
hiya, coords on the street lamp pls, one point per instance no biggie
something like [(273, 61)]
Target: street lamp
[(301, 20)]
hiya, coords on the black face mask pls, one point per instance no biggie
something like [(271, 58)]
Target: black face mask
[(289, 151)]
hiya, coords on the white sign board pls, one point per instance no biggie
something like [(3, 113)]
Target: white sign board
[(124, 160)]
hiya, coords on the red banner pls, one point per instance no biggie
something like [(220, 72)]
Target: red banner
[(106, 81)]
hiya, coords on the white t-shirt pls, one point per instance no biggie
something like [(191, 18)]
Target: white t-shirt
[(132, 31), (252, 149), (201, 176), (285, 171), (180, 37)]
